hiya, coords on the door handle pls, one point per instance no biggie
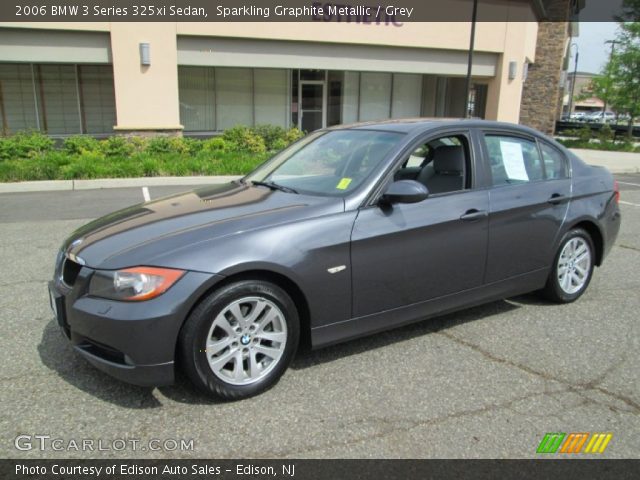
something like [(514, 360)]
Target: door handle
[(557, 199), (473, 215)]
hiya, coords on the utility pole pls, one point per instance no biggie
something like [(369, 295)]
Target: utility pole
[(474, 17), (573, 80), (606, 94)]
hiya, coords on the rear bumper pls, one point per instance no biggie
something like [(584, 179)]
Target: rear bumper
[(611, 225), (132, 341)]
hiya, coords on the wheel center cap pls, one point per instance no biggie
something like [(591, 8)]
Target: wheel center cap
[(245, 339)]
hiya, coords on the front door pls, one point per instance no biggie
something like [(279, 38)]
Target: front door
[(411, 253), (417, 252), (312, 100)]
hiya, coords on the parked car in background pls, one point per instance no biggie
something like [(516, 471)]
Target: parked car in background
[(348, 232), (601, 117), (578, 116)]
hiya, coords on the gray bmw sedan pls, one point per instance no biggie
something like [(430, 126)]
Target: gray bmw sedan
[(347, 232)]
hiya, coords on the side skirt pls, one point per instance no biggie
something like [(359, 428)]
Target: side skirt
[(361, 326)]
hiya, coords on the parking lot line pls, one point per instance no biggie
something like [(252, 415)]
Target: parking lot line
[(629, 203), (629, 183)]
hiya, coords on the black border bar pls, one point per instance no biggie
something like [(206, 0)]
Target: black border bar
[(395, 12), (322, 469)]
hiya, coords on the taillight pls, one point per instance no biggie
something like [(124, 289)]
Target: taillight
[(616, 191)]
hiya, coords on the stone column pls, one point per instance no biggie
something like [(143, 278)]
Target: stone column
[(541, 94)]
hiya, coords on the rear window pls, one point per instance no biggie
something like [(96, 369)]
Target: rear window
[(513, 160), (555, 165)]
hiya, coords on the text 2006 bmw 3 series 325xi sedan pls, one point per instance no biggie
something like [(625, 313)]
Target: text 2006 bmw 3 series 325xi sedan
[(347, 232)]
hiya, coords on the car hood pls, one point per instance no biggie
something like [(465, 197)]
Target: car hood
[(142, 233)]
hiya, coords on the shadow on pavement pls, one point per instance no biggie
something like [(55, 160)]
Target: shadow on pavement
[(408, 332), (59, 356)]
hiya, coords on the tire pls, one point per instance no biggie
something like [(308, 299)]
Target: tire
[(240, 339), (561, 289)]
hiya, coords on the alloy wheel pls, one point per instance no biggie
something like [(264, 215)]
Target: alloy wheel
[(574, 265), (246, 340)]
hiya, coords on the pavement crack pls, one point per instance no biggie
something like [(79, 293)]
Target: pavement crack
[(575, 388), (389, 426), (22, 282), (629, 247)]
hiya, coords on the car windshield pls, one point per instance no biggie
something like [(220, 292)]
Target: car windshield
[(327, 163)]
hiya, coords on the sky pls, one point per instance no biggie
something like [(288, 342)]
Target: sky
[(594, 53)]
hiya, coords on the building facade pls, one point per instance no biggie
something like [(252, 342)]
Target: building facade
[(200, 78), (583, 98)]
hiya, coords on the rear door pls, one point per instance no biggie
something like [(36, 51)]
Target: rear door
[(527, 203)]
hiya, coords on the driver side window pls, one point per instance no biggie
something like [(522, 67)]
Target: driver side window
[(441, 164)]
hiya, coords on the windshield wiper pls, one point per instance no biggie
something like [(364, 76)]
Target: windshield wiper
[(274, 186)]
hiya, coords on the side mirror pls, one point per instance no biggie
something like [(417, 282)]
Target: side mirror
[(405, 191)]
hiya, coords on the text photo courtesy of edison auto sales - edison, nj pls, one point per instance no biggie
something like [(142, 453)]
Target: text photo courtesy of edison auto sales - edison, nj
[(319, 240)]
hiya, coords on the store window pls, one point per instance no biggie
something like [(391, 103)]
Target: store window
[(407, 95), (197, 98), (217, 98), (375, 96), (17, 102), (271, 97), (234, 97), (97, 98), (57, 99)]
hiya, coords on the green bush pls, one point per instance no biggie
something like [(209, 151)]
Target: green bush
[(242, 139), (585, 134), (605, 134), (215, 145), (116, 147), (571, 132), (270, 134), (25, 145), (81, 145), (279, 144), (612, 146), (191, 146), (138, 144), (171, 145), (31, 156), (292, 135)]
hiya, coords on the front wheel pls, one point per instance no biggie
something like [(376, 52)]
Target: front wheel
[(572, 268), (240, 339)]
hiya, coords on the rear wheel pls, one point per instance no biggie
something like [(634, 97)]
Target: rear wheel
[(240, 339), (572, 268)]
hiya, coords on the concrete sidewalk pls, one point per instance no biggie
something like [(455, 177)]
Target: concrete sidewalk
[(616, 162)]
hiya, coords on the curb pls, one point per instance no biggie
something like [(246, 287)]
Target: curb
[(69, 185)]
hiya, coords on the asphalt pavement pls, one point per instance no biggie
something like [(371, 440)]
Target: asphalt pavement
[(483, 383)]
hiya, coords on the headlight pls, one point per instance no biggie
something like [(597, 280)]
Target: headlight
[(137, 283)]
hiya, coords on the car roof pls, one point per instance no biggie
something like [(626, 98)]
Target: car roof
[(420, 125)]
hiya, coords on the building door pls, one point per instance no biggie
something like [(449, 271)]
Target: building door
[(312, 98)]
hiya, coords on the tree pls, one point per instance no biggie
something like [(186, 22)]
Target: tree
[(619, 82)]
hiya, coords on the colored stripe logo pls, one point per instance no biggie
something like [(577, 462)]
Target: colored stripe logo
[(574, 443)]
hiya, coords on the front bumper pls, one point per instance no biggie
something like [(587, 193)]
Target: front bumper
[(132, 341)]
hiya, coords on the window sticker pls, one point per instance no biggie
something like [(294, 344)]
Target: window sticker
[(344, 183), (513, 161)]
